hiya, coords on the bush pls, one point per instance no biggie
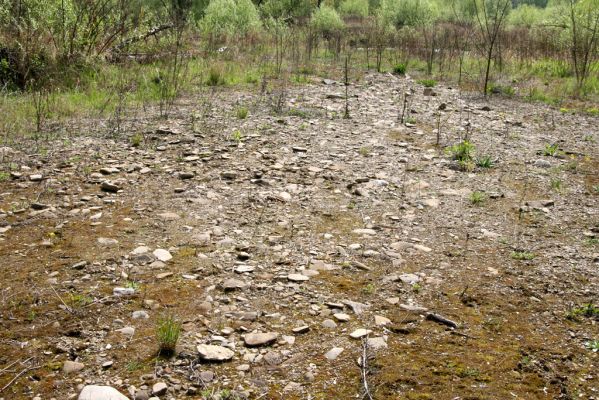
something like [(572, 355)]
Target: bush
[(231, 18), (429, 83), (326, 21), (354, 8), (283, 9), (400, 69), (400, 13)]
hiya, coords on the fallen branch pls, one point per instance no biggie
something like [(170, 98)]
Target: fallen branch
[(13, 380), (364, 367), (441, 320)]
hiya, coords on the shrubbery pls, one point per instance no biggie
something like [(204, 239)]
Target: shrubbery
[(354, 8), (326, 21), (231, 17)]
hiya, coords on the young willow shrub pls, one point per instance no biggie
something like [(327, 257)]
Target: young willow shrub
[(231, 18), (326, 21), (354, 8)]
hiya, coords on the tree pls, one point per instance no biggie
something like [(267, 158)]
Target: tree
[(584, 30), (490, 16)]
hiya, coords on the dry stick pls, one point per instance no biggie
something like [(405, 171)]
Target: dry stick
[(13, 380), (367, 394), (69, 309)]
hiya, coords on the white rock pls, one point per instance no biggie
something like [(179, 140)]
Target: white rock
[(94, 392), (333, 353), (162, 255), (214, 353), (359, 333)]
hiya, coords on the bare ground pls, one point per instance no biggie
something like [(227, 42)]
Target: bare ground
[(352, 204)]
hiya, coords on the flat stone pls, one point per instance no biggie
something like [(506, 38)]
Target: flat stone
[(72, 366), (413, 309), (333, 353), (94, 392), (360, 333), (36, 177), (141, 314), (164, 275), (329, 324), (241, 269), (410, 279), (301, 329), (229, 175), (368, 232), (422, 248), (159, 388), (121, 291), (107, 242), (357, 308), (169, 216), (297, 277), (214, 353), (109, 186), (162, 255), (127, 331), (342, 317), (259, 339), (233, 284), (381, 321), (377, 343)]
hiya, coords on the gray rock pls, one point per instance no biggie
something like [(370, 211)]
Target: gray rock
[(214, 353), (109, 186), (71, 366), (333, 353), (259, 339), (140, 314), (159, 388), (162, 255), (233, 284), (329, 324), (94, 392)]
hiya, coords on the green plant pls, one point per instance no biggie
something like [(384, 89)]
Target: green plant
[(215, 78), (236, 136), (326, 21), (167, 333), (593, 345), (136, 139), (416, 287), (134, 365), (132, 285), (477, 197), (400, 69), (77, 300), (485, 162), (364, 151), (235, 18), (429, 83), (242, 113), (556, 184), (551, 150), (592, 242), (4, 176), (587, 310), (354, 8), (369, 289), (462, 151), (523, 256)]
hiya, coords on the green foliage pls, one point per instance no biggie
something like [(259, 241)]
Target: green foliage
[(551, 150), (326, 21), (485, 162), (215, 77), (477, 197), (136, 140), (284, 9), (401, 13), (523, 256), (429, 83), (354, 8), (400, 69), (231, 18), (242, 112), (167, 334), (462, 151), (588, 311), (526, 16)]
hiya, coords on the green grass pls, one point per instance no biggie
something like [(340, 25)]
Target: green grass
[(429, 83), (462, 151), (400, 69), (477, 198), (550, 150), (523, 256), (587, 311), (168, 331), (485, 162), (242, 112)]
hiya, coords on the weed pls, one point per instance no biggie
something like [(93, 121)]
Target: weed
[(588, 310), (215, 78), (556, 184), (485, 162), (132, 285), (462, 151), (136, 139), (167, 333), (429, 83), (416, 287), (134, 365), (296, 112), (477, 197), (411, 120), (593, 345), (523, 256), (589, 138), (596, 189), (236, 136), (4, 176), (242, 113), (400, 69), (76, 300), (592, 242), (369, 289), (551, 150), (364, 151)]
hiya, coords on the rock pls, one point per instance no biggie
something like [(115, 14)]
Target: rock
[(233, 284), (120, 291), (109, 186), (186, 175), (329, 324), (169, 216), (297, 278), (429, 92), (381, 321), (542, 163), (162, 255), (141, 395), (214, 353), (241, 269), (377, 343), (301, 329), (163, 275), (273, 358), (410, 279), (357, 308), (333, 353), (229, 175), (72, 366), (93, 392), (413, 308), (127, 331), (360, 333), (259, 339), (422, 248), (36, 177), (159, 389), (141, 314), (342, 317), (207, 376), (368, 232), (106, 242)]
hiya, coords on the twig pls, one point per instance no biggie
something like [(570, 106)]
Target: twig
[(364, 366), (13, 380), (441, 320), (69, 309)]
